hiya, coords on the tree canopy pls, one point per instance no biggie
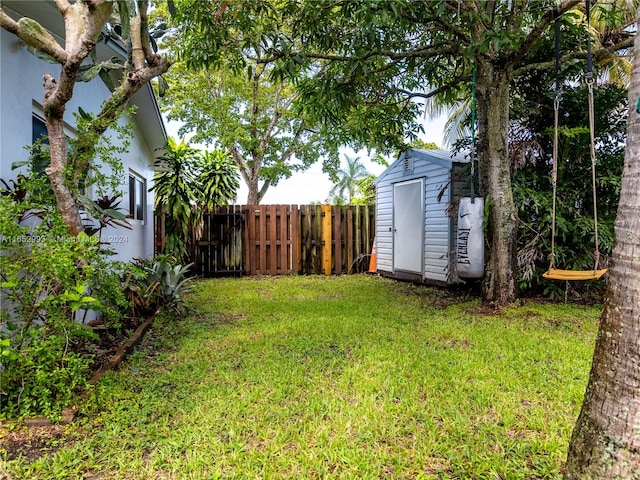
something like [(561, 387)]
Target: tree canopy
[(231, 95), (382, 59)]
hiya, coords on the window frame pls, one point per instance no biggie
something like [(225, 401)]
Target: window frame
[(137, 196)]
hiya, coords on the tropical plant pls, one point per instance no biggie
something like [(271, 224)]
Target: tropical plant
[(106, 211), (175, 188), (217, 178), (347, 178), (187, 183), (154, 283)]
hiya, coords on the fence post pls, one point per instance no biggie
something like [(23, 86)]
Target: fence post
[(295, 238), (326, 239)]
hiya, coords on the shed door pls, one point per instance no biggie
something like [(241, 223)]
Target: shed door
[(408, 226)]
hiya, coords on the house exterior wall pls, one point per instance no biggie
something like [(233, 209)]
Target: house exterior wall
[(21, 95), (438, 232)]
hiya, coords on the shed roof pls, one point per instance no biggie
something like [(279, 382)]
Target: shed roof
[(443, 158)]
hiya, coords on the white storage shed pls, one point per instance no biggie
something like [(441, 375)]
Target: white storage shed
[(415, 233)]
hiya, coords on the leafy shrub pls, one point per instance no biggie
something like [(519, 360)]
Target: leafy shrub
[(187, 183), (154, 283), (41, 369), (49, 280)]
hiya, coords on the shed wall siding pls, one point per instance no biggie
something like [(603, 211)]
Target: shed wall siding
[(437, 223)]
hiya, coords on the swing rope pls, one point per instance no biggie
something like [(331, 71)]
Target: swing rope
[(473, 133), (554, 174), (553, 273), (593, 148)]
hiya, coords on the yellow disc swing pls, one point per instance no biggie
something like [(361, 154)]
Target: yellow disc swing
[(554, 273)]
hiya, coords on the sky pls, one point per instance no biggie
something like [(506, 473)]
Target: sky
[(313, 186)]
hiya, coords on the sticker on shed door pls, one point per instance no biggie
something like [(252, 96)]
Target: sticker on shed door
[(408, 226)]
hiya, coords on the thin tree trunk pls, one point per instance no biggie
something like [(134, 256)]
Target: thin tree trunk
[(56, 172), (606, 440), (500, 286)]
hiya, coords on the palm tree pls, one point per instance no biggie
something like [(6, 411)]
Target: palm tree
[(605, 442), (348, 178)]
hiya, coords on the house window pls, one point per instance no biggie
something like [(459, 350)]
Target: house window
[(137, 196), (40, 158), (40, 161)]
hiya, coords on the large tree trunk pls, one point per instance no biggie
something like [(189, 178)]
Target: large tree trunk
[(252, 197), (500, 286), (606, 439)]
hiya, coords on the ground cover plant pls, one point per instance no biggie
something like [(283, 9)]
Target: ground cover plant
[(333, 377)]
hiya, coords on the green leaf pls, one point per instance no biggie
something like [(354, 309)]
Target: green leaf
[(163, 86), (86, 73), (42, 56), (126, 9), (106, 78)]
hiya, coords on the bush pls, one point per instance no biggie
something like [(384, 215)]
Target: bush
[(160, 282), (49, 281)]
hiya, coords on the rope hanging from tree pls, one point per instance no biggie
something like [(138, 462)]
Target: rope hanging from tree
[(554, 273), (470, 235)]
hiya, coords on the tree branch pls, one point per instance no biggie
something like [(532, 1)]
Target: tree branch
[(599, 55), (276, 116), (605, 53), (239, 161), (34, 35), (437, 91), (62, 5), (138, 57), (144, 28), (263, 189), (541, 26), (111, 110), (440, 49)]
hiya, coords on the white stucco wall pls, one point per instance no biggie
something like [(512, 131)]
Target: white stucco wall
[(21, 94)]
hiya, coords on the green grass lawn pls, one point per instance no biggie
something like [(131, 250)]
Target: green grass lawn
[(336, 377)]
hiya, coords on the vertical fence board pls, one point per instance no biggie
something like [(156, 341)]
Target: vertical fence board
[(295, 236), (260, 246), (349, 240), (337, 240), (326, 239)]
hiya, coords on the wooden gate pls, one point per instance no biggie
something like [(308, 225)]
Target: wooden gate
[(271, 244), (281, 240), (218, 249)]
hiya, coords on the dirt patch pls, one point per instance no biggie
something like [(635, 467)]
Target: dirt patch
[(31, 442)]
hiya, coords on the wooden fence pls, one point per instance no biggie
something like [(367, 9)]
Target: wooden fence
[(280, 240)]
